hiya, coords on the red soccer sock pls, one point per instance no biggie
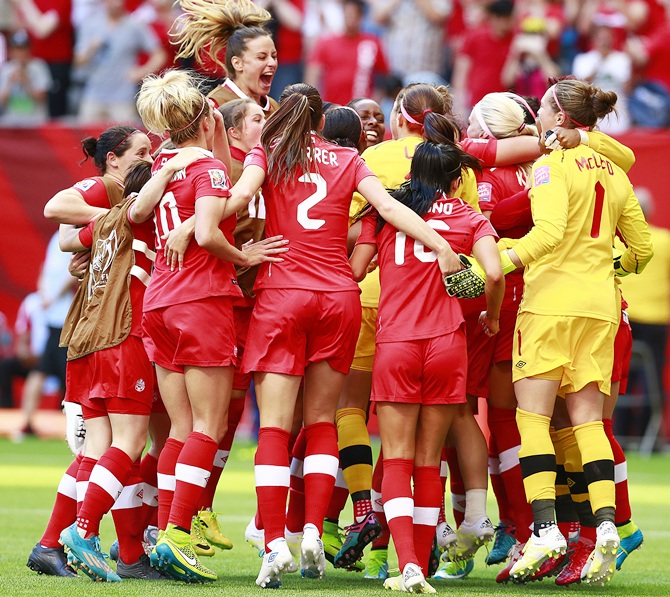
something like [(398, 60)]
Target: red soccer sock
[(128, 513), (194, 466), (320, 470), (295, 513), (502, 423), (167, 462), (457, 486), (623, 512), (149, 474), (427, 499), (64, 512), (399, 507), (83, 475), (339, 497), (381, 542), (105, 485), (271, 471)]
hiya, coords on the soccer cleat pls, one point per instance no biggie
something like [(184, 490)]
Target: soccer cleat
[(210, 528), (357, 537), (332, 543), (377, 566), (255, 537), (410, 581), (198, 540), (537, 549), (575, 559), (175, 556), (85, 555), (139, 570), (552, 566), (446, 536), (293, 541), (312, 555), (455, 570), (149, 539), (51, 561), (274, 565), (114, 551), (628, 545), (434, 559), (469, 538), (503, 541), (601, 564), (514, 556)]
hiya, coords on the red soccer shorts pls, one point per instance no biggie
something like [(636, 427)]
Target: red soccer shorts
[(292, 328), (623, 348), (117, 380), (242, 316), (198, 333), (484, 351), (431, 371)]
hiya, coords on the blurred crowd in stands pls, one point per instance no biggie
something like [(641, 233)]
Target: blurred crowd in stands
[(83, 59)]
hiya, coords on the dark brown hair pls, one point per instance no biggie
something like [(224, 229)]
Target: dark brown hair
[(584, 104), (116, 139)]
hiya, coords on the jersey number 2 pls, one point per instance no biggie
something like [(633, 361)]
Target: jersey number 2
[(304, 206)]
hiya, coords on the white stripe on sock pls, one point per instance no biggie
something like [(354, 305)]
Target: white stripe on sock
[(376, 501), (221, 458), (68, 486), (105, 479), (322, 464), (621, 472), (166, 482), (131, 497), (193, 475), (268, 475), (296, 468), (397, 507), (426, 516), (494, 466), (509, 459), (339, 480), (150, 495), (444, 469), (82, 486)]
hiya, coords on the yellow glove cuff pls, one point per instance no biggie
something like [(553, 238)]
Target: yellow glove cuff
[(507, 264)]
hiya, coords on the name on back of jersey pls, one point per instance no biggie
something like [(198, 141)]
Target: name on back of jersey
[(323, 156), (595, 162)]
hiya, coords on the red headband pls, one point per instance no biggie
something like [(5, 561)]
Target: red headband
[(562, 111), (130, 134)]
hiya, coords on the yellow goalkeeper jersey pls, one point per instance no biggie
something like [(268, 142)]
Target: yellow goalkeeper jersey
[(579, 198), (391, 162)]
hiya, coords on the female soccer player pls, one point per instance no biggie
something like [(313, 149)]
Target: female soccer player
[(579, 200), (210, 27), (195, 371), (372, 118), (307, 315), (418, 383), (110, 375)]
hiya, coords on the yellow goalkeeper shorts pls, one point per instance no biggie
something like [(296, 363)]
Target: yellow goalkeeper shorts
[(574, 350), (365, 347)]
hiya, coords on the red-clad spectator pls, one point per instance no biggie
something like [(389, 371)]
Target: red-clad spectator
[(49, 26), (344, 66), (160, 15), (480, 60)]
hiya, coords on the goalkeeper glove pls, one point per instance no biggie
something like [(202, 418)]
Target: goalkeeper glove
[(619, 271), (468, 282)]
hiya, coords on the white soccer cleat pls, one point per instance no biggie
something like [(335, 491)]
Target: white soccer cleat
[(601, 565), (411, 580), (293, 541), (274, 565), (537, 550), (255, 537), (312, 555), (446, 536), (469, 538)]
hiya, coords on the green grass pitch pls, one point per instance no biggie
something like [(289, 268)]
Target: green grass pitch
[(29, 475)]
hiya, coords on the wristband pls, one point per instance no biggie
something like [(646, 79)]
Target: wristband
[(584, 138), (507, 264)]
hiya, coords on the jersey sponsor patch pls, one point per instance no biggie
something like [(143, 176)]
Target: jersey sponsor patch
[(484, 190), (217, 178), (541, 176), (84, 185)]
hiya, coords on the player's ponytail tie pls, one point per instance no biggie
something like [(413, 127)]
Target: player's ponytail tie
[(426, 111)]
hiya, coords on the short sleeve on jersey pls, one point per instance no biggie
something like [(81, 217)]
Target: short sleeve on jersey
[(86, 235), (483, 149), (368, 235), (208, 180), (257, 157), (481, 226), (93, 191), (362, 170)]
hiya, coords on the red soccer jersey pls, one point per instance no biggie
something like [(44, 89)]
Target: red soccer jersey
[(203, 275), (140, 273), (314, 216), (413, 304), (94, 192), (493, 186), (483, 149)]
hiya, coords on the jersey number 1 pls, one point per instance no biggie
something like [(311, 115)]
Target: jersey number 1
[(598, 210)]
